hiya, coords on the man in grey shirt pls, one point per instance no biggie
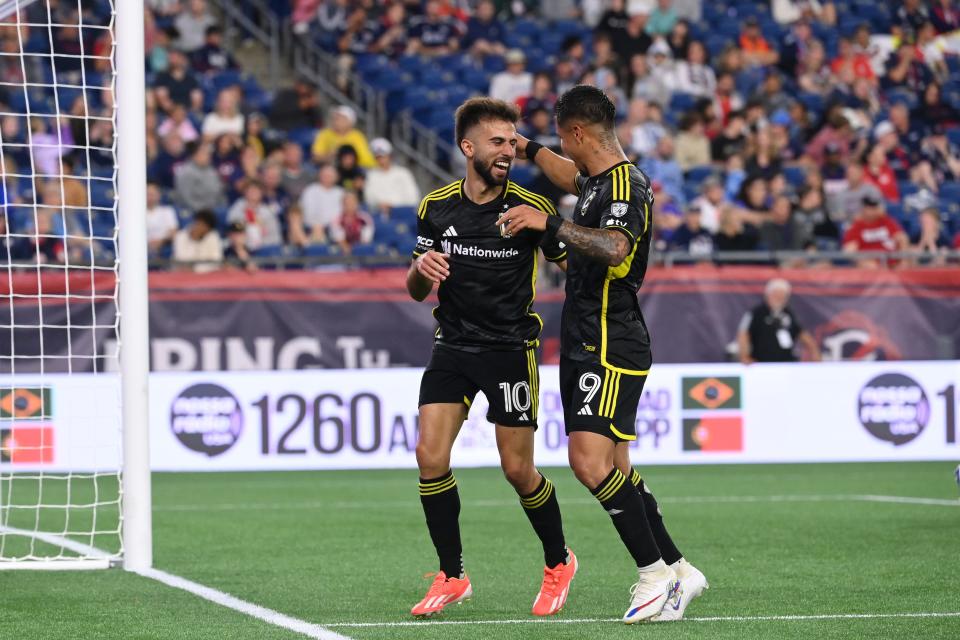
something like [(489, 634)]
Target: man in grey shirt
[(197, 184)]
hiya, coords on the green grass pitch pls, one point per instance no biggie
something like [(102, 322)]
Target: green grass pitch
[(351, 547)]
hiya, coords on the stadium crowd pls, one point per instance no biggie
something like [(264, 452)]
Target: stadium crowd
[(788, 125)]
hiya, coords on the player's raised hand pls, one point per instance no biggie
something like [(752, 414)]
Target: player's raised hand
[(434, 266), (516, 219)]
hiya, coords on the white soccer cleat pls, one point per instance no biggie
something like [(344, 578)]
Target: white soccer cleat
[(693, 584), (653, 591)]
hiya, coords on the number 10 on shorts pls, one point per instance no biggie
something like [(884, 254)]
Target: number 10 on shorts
[(516, 397)]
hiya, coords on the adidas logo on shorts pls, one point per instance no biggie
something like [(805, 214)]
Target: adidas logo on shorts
[(585, 411)]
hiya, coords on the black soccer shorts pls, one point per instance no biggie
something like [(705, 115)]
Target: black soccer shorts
[(509, 379), (599, 400)]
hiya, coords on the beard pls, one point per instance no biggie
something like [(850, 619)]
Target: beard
[(483, 169)]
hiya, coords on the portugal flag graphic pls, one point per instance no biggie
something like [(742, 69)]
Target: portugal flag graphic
[(713, 433), (25, 402), (25, 445)]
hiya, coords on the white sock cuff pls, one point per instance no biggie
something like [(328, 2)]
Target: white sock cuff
[(656, 566)]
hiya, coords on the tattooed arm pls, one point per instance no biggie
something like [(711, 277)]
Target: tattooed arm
[(605, 246)]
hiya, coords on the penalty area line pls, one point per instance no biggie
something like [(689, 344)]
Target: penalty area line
[(223, 599), (782, 618)]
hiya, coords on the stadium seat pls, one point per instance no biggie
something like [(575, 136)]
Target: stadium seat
[(950, 191), (696, 175), (321, 250), (523, 174), (795, 176)]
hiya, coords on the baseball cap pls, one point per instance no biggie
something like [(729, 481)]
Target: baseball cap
[(659, 47), (347, 112), (515, 56), (780, 118), (381, 147), (871, 200), (883, 128)]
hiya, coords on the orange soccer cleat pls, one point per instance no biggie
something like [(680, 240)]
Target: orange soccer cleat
[(555, 587), (442, 592)]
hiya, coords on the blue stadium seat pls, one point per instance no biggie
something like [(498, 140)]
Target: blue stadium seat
[(682, 102), (696, 175), (269, 251), (523, 174), (950, 191), (321, 250), (795, 175)]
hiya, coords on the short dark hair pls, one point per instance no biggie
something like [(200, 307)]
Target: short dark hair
[(476, 110), (207, 217), (587, 104)]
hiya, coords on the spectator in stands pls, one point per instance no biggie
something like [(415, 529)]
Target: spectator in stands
[(930, 51), (354, 226), (662, 167), (322, 203), (225, 118), (933, 240), (874, 230), (162, 222), (296, 108), (693, 76), (297, 234), (192, 25), (734, 235), (44, 243), (942, 155), (228, 161), (691, 236), (642, 83), (763, 158), (813, 219), (692, 146), (846, 202), (906, 71), (513, 83), (642, 129), (836, 137), (237, 254), (944, 16), (212, 57), (876, 48), (796, 44), (158, 55), (851, 64), (781, 232), (392, 39), (679, 40), (168, 161), (178, 86), (877, 170), (352, 177), (296, 176), (73, 190), (813, 75), (933, 111), (565, 76), (262, 221), (732, 140), (361, 34), (46, 146), (753, 200), (662, 19), (199, 245), (614, 19), (178, 123), (909, 17), (433, 34), (342, 131), (727, 100), (757, 52), (388, 184), (710, 202), (770, 331), (541, 96), (197, 184), (485, 32), (271, 179), (254, 135)]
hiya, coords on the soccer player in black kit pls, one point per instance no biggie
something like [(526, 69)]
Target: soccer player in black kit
[(486, 341), (605, 346)]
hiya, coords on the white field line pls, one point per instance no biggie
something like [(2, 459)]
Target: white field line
[(415, 504), (253, 610), (207, 593), (534, 621)]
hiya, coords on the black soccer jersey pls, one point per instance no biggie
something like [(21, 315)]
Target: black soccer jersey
[(601, 316), (486, 302)]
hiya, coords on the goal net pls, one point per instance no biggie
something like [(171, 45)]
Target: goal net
[(61, 408)]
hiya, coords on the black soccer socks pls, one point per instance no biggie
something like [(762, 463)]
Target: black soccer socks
[(664, 542), (441, 506), (623, 502), (543, 512)]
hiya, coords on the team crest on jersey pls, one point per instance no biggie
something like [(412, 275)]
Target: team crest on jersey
[(619, 209), (587, 201)]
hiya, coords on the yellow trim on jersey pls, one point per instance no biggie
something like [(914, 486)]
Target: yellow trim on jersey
[(438, 194), (620, 180), (615, 273), (537, 200), (533, 292), (646, 217), (467, 401), (611, 487), (620, 435)]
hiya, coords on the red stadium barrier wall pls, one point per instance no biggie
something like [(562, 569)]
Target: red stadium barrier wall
[(364, 318)]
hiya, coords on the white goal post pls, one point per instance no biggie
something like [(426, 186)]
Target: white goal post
[(74, 435)]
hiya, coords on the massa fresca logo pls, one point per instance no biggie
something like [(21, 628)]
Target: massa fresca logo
[(893, 407), (711, 393)]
